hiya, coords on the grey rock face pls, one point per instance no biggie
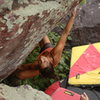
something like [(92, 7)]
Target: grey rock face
[(87, 24), (24, 92), (23, 23)]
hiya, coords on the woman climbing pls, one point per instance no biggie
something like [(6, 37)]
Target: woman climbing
[(49, 56)]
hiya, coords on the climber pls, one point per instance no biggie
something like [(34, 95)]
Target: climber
[(49, 56)]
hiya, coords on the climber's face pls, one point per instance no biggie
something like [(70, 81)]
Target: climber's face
[(45, 65), (44, 61)]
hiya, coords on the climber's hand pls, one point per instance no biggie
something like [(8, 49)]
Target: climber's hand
[(74, 12)]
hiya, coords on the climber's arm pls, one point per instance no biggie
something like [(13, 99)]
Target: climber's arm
[(27, 74), (28, 66), (27, 70), (57, 51)]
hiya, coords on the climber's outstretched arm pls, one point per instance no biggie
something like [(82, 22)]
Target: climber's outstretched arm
[(57, 51)]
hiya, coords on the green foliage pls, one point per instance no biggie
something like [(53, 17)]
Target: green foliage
[(83, 2), (39, 82), (69, 38), (54, 37)]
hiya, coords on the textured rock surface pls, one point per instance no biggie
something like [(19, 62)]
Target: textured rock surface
[(86, 28), (87, 24), (24, 92), (23, 23)]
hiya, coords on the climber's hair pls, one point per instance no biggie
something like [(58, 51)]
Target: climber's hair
[(48, 72)]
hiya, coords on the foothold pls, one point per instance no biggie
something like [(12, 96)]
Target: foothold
[(1, 47), (2, 28), (7, 38)]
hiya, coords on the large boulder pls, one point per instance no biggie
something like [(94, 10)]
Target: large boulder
[(23, 23), (24, 92), (87, 24)]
